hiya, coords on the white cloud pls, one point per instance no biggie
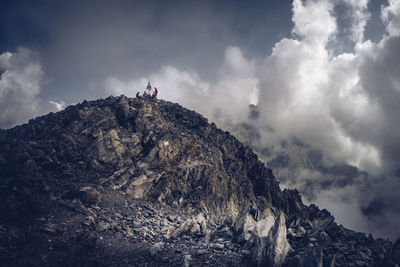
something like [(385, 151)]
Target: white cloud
[(313, 20), (57, 106), (391, 17), (225, 100), (303, 89), (343, 104), (236, 88), (19, 86), (359, 17), (173, 85)]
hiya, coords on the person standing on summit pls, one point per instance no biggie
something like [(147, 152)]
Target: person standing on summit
[(155, 93)]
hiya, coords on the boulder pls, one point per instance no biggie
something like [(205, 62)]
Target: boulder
[(157, 248), (103, 226), (89, 195)]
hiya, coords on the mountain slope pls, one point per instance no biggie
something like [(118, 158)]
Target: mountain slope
[(124, 181)]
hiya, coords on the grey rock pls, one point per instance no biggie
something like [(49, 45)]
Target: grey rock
[(156, 248), (201, 251), (360, 263), (226, 233), (278, 247), (186, 260), (89, 195), (218, 246), (363, 256), (51, 228), (103, 226), (245, 252), (229, 245), (313, 257), (208, 236), (329, 260)]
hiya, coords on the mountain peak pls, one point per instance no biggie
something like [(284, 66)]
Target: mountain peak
[(124, 180)]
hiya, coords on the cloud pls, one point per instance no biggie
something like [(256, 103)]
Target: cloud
[(391, 17), (81, 42), (380, 83), (359, 18), (173, 84), (235, 89), (313, 20), (57, 106), (343, 104), (20, 85), (303, 89), (342, 203), (225, 100)]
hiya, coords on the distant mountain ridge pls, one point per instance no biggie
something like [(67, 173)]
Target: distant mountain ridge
[(294, 157), (122, 181)]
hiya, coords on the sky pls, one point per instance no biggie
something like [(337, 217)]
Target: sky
[(326, 72)]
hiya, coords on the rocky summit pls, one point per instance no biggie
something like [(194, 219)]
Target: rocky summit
[(129, 182)]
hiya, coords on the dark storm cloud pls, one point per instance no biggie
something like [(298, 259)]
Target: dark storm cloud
[(380, 76), (83, 41)]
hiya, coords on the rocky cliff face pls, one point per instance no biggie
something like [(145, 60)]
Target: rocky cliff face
[(123, 181)]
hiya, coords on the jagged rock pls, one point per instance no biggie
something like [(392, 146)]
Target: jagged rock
[(188, 227), (260, 228), (271, 247), (225, 233), (278, 246), (208, 236), (299, 231), (170, 231)]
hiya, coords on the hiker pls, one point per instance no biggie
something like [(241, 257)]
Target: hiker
[(155, 93)]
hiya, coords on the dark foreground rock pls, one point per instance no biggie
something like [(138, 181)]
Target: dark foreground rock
[(127, 182)]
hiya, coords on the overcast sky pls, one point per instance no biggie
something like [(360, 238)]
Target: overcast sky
[(326, 72)]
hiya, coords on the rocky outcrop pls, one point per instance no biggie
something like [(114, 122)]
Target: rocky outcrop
[(124, 181)]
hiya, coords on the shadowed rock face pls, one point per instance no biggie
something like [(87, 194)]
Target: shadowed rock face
[(124, 181)]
